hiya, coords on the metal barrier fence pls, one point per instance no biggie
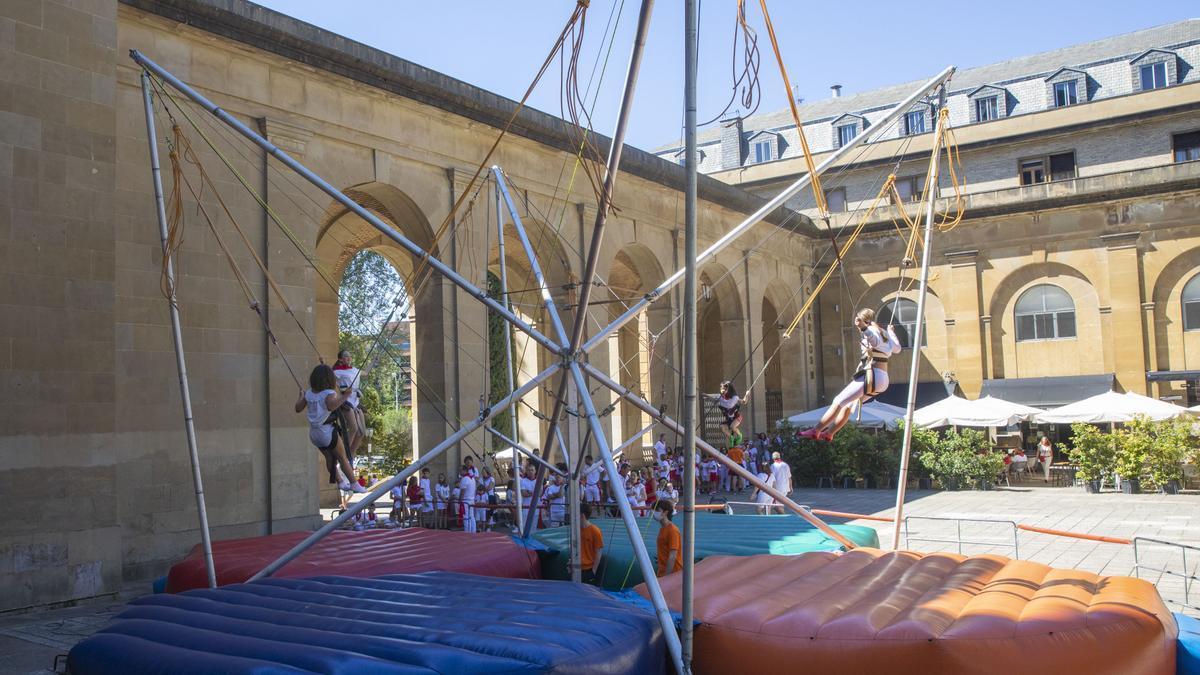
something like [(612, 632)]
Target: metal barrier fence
[(1186, 576), (959, 541)]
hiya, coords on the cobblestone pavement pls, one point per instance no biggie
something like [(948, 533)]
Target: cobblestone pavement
[(30, 641)]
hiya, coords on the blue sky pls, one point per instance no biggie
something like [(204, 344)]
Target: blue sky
[(862, 45)]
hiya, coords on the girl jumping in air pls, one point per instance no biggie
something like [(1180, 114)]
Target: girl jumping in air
[(731, 408), (870, 380), (319, 402)]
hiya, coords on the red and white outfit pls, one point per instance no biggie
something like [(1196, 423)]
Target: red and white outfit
[(466, 501), (591, 484)]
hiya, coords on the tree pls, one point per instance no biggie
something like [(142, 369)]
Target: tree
[(371, 293), (499, 356)]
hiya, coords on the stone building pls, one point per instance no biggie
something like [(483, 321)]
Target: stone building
[(95, 485), (1079, 255)]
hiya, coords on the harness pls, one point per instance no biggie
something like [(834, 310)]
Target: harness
[(866, 367)]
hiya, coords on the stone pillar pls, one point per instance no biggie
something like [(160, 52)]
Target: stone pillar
[(752, 375), (965, 335), (1127, 334)]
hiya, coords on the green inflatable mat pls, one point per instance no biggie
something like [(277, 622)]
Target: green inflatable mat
[(716, 534)]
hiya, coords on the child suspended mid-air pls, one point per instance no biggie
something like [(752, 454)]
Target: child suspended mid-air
[(319, 402), (731, 408), (870, 380)]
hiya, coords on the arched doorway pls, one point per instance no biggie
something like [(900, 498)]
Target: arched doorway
[(721, 342), (342, 236)]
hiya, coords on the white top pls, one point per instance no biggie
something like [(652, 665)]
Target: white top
[(526, 486), (660, 449), (591, 474), (426, 493), (443, 492), (397, 493), (763, 497), (781, 476), (553, 494), (466, 488), (488, 485), (728, 403), (639, 494), (348, 377), (874, 339), (317, 412), (670, 494)]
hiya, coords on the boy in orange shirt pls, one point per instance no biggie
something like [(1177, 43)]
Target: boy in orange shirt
[(738, 455), (591, 546), (670, 543)]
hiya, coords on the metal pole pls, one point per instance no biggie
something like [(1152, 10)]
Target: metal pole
[(572, 509), (690, 389), (620, 449), (631, 525), (515, 468), (918, 332), (766, 210), (610, 179), (646, 407), (534, 267), (389, 232), (518, 448), (177, 334), (383, 488)]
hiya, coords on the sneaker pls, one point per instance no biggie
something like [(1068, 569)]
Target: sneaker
[(344, 486), (358, 489), (812, 433)]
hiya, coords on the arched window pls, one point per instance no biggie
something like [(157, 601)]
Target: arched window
[(1045, 312), (905, 322), (1191, 304)]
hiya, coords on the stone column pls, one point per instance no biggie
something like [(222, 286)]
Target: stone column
[(965, 334), (1127, 334)]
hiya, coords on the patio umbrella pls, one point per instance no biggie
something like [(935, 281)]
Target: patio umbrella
[(985, 412), (875, 415), (1112, 407)]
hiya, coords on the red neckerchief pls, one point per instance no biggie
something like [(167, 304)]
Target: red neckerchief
[(340, 366)]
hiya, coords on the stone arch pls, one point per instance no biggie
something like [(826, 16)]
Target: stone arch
[(1072, 356), (526, 299), (781, 383), (341, 236), (1174, 348), (935, 355), (642, 353), (720, 330)]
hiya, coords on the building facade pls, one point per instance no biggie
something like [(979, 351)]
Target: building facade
[(1076, 266), (95, 484)]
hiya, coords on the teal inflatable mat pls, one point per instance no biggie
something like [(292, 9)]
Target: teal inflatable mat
[(716, 534)]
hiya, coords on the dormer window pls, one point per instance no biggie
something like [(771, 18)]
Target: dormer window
[(762, 151), (1067, 86), (1065, 94), (1154, 69), (846, 128), (1153, 76), (764, 146), (914, 123), (988, 103)]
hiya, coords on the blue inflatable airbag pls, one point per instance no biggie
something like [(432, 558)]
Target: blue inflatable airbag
[(414, 623)]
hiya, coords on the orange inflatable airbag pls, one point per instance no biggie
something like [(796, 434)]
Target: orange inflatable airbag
[(869, 611)]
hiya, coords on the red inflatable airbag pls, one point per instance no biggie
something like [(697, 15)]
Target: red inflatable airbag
[(361, 554)]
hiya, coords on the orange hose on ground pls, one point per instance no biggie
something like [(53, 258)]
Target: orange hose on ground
[(1075, 535), (851, 516)]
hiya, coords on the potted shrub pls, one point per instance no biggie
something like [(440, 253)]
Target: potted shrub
[(954, 458), (1170, 448), (1094, 452), (987, 466), (1134, 446)]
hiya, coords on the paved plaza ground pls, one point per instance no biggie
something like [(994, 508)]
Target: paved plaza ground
[(29, 642)]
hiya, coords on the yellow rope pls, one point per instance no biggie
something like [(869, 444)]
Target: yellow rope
[(815, 182), (808, 302)]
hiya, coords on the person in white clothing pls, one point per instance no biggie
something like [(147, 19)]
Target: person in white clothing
[(760, 497), (528, 481), (591, 481), (636, 492), (781, 478), (871, 379), (397, 494), (485, 496), (354, 423), (441, 496), (1045, 456), (660, 448), (466, 498), (318, 402), (731, 408), (554, 496)]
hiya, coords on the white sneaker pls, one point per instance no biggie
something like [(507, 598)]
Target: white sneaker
[(345, 486), (358, 488)]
